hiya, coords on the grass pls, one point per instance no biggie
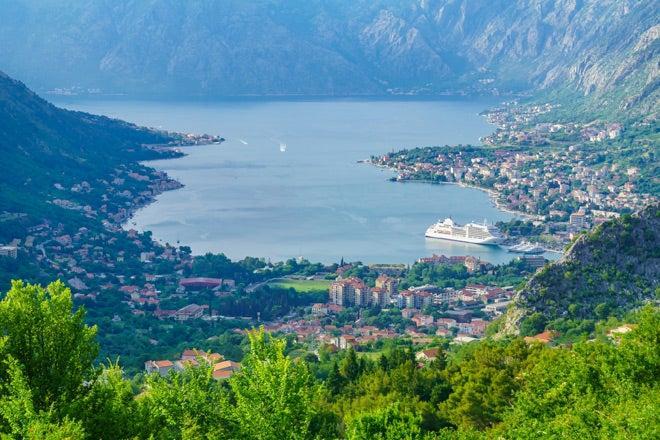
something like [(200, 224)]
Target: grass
[(302, 286)]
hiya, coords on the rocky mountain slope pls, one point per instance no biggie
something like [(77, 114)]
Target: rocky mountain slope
[(610, 270), (607, 49)]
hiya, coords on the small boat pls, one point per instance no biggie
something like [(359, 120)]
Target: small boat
[(282, 147), (526, 248)]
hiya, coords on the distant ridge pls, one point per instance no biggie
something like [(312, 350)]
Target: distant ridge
[(604, 49)]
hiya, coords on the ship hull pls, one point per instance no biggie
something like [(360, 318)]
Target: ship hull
[(494, 241)]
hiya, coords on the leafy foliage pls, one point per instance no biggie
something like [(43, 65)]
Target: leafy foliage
[(503, 389)]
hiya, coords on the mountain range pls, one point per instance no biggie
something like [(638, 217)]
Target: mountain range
[(605, 49)]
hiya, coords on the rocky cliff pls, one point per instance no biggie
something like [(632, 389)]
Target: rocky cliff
[(608, 271)]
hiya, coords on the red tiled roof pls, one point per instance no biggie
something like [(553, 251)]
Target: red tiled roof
[(163, 364)]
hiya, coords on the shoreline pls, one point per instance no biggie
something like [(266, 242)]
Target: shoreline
[(493, 194)]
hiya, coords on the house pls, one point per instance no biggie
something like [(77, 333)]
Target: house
[(443, 333), (9, 251), (446, 322), (476, 327), (463, 339), (191, 311), (161, 367), (428, 355), (408, 313), (335, 308), (422, 320), (227, 365), (193, 354), (222, 374), (319, 309), (497, 308), (347, 341), (617, 332)]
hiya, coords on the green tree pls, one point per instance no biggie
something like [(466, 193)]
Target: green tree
[(19, 419), (108, 409), (274, 394), (484, 383), (389, 423), (350, 366), (185, 405), (49, 340), (533, 324)]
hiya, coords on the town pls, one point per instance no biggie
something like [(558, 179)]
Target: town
[(562, 186)]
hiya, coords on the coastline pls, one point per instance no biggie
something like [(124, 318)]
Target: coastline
[(494, 195), (163, 181)]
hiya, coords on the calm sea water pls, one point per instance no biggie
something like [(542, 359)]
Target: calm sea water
[(288, 183)]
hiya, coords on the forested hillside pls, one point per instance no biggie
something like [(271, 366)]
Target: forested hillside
[(608, 271), (48, 150)]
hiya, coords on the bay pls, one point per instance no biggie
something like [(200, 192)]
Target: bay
[(287, 181)]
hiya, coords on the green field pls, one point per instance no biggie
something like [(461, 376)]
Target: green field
[(301, 285)]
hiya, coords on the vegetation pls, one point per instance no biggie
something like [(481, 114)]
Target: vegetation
[(302, 286), (607, 272), (51, 389)]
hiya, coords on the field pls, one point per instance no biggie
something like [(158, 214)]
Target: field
[(301, 285)]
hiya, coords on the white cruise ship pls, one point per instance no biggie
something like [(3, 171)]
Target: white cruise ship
[(470, 233)]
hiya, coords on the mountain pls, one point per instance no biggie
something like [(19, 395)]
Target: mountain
[(48, 150), (610, 270), (605, 49)]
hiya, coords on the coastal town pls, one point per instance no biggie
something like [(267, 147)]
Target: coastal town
[(157, 285), (132, 284), (560, 177)]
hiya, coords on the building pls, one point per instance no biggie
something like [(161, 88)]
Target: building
[(191, 311), (9, 251), (476, 327), (319, 309), (428, 355), (387, 283), (194, 354), (578, 220), (415, 299), (380, 297), (534, 261), (225, 369), (460, 315), (200, 283), (497, 308), (408, 313), (347, 341), (147, 257), (441, 259), (474, 264), (349, 292), (422, 320), (161, 367)]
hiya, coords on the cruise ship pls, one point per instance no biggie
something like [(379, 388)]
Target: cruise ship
[(469, 233)]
